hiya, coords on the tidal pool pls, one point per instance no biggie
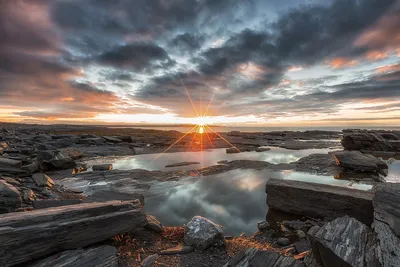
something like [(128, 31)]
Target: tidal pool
[(206, 158), (235, 199)]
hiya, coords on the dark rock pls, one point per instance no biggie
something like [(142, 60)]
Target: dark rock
[(112, 139), (11, 181), (153, 224), (283, 241), (31, 168), (42, 179), (262, 258), (232, 150), (341, 242), (302, 245), (300, 234), (355, 160), (371, 140), (45, 155), (127, 139), (262, 149), (55, 160), (263, 225), (319, 200), (179, 164), (50, 203), (222, 161), (28, 196), (91, 141), (45, 147), (10, 198), (10, 163), (102, 167), (202, 233), (103, 256), (64, 142)]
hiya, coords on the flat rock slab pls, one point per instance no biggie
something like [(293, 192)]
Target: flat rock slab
[(102, 167), (30, 235), (262, 258), (103, 256), (319, 200), (179, 164), (341, 242), (50, 203), (355, 160), (10, 162)]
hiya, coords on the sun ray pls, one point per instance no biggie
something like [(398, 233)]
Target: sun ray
[(223, 138), (208, 106), (190, 99), (194, 136), (159, 155), (209, 139)]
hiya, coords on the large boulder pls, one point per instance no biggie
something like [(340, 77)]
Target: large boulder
[(201, 233), (371, 140), (387, 222), (355, 160), (341, 242), (53, 160), (10, 198)]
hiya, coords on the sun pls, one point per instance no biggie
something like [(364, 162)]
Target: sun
[(201, 129)]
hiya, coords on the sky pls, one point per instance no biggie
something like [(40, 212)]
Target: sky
[(227, 62)]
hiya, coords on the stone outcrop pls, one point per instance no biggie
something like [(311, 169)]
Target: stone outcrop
[(201, 233), (42, 179), (319, 200), (371, 140), (10, 198), (31, 235), (103, 256), (355, 160), (262, 258)]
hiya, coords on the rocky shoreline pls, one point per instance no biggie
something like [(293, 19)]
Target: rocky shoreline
[(39, 163)]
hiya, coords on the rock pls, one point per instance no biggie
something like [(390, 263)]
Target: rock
[(103, 256), (149, 260), (42, 179), (177, 250), (50, 203), (31, 235), (112, 139), (28, 196), (319, 200), (243, 235), (263, 225), (371, 140), (300, 234), (11, 181), (387, 222), (91, 141), (127, 139), (262, 149), (10, 163), (262, 258), (62, 161), (153, 224), (283, 241), (31, 168), (102, 167), (45, 147), (302, 245), (355, 160), (341, 242), (222, 162), (64, 142), (202, 233), (73, 153), (232, 150), (10, 198), (185, 163)]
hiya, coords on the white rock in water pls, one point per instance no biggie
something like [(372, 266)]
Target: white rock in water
[(201, 233)]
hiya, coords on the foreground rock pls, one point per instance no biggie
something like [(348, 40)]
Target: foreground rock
[(103, 256), (42, 179), (341, 242), (262, 258), (30, 235), (371, 140), (10, 198), (319, 200), (387, 222), (355, 160), (201, 233)]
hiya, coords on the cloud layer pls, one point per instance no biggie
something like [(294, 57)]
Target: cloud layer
[(297, 61)]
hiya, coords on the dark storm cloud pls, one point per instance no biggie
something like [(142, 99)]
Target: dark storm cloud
[(188, 42)]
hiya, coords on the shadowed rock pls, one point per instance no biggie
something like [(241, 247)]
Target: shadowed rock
[(202, 233)]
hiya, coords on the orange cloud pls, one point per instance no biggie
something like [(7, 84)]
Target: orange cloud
[(295, 68), (388, 68), (376, 55), (342, 63)]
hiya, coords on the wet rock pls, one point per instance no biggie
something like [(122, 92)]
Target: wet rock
[(10, 198), (31, 168), (232, 150), (149, 260), (263, 225), (112, 139), (64, 142), (262, 258), (127, 139), (340, 242), (283, 241), (42, 179), (153, 224), (179, 164), (103, 256), (371, 140), (319, 200), (10, 163), (102, 167), (262, 149), (223, 162), (202, 233), (317, 163), (355, 160), (302, 245), (91, 141), (177, 250)]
